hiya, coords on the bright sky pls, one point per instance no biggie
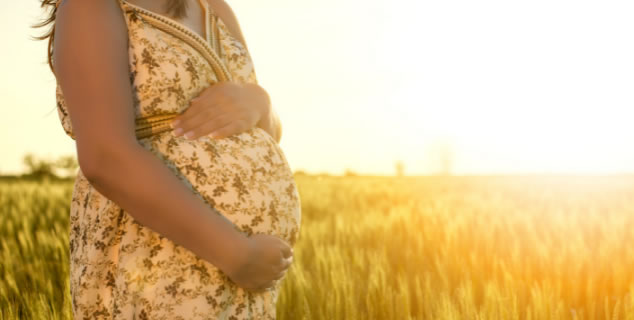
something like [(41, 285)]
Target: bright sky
[(508, 86)]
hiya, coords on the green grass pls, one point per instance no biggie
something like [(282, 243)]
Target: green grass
[(34, 282), (393, 248)]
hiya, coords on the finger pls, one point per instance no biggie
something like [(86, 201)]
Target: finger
[(258, 287), (192, 119), (287, 251), (285, 263), (268, 285), (255, 289), (232, 128), (208, 127), (201, 107), (280, 275), (195, 105)]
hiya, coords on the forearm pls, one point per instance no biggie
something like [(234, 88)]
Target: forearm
[(269, 121), (271, 124), (150, 192)]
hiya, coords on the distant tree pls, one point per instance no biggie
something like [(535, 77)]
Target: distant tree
[(400, 168), (323, 175), (440, 155), (446, 159), (349, 173), (38, 168), (67, 164)]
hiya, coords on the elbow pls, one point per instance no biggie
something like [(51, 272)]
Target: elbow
[(278, 131), (91, 160), (99, 161), (89, 166)]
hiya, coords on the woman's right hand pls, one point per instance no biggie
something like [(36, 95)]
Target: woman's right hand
[(266, 260)]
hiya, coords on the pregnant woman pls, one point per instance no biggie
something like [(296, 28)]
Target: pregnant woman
[(184, 206)]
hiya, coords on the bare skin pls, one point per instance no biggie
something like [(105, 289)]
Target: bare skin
[(91, 64)]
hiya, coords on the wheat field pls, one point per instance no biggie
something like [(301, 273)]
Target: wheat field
[(517, 247)]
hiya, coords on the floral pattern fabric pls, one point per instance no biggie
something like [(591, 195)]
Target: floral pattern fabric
[(120, 269)]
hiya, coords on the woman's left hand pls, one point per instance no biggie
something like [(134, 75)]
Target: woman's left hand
[(223, 109)]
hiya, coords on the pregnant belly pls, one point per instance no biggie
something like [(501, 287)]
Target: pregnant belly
[(245, 177)]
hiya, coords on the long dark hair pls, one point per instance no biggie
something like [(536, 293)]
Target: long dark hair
[(177, 9)]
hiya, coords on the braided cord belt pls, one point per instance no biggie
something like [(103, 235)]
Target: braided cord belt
[(148, 126), (151, 125), (155, 124)]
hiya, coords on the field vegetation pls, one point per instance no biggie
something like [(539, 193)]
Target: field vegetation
[(523, 247)]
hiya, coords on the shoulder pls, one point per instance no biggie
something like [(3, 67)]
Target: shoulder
[(226, 14), (98, 20), (92, 16), (88, 9)]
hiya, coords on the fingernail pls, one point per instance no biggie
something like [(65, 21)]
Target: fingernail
[(189, 135), (178, 131), (175, 123)]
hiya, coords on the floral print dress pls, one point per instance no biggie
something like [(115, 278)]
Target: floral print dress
[(120, 269)]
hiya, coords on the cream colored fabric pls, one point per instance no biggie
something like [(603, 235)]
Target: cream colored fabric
[(123, 270)]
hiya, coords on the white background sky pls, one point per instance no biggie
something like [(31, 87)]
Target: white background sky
[(511, 86)]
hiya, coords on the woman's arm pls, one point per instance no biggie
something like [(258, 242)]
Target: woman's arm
[(228, 108), (91, 63), (270, 122)]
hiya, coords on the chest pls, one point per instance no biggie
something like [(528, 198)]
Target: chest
[(193, 18), (170, 64), (168, 68)]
